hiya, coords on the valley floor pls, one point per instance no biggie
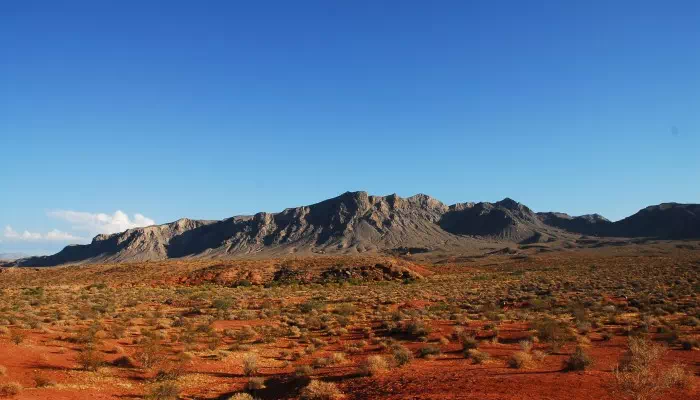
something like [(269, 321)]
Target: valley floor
[(580, 324)]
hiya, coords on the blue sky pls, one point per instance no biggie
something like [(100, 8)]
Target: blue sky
[(218, 108)]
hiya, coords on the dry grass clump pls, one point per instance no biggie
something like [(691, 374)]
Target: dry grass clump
[(401, 355), (525, 345), (303, 370), (150, 354), (164, 391), (319, 390), (256, 383), (17, 337), (90, 359), (554, 332), (337, 358), (373, 365), (467, 341), (250, 364), (10, 389), (478, 357), (429, 352), (538, 355), (519, 359), (678, 376), (639, 374)]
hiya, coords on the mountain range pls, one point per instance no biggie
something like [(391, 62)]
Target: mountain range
[(356, 222)]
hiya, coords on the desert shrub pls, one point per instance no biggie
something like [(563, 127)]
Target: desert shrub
[(222, 304), (641, 353), (246, 333), (17, 337), (477, 356), (345, 309), (10, 389), (294, 331), (321, 362), (90, 359), (416, 328), (578, 361), (164, 391), (538, 355), (638, 374), (168, 372), (303, 370), (519, 359), (467, 341), (402, 355), (678, 376), (554, 332), (318, 390), (338, 358), (250, 364), (150, 354), (311, 305), (525, 345), (429, 351), (373, 365)]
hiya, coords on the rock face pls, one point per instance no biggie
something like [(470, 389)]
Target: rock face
[(357, 222)]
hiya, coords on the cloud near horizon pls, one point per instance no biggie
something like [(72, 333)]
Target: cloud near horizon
[(53, 235), (96, 223), (90, 223)]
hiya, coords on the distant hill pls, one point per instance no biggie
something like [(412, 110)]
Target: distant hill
[(356, 222), (589, 224), (11, 256), (663, 221)]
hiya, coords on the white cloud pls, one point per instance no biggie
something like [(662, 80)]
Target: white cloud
[(63, 236), (10, 233), (100, 222), (55, 234)]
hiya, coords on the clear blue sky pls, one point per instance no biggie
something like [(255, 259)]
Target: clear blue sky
[(218, 108)]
